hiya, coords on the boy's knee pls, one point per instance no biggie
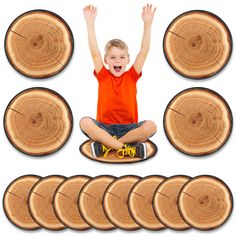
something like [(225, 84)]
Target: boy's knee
[(85, 122), (149, 128)]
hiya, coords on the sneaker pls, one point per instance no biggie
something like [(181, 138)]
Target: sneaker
[(135, 150), (99, 149)]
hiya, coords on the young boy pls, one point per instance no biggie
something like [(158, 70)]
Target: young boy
[(116, 126)]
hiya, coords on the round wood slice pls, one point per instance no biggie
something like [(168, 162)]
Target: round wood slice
[(140, 202), (90, 202), (41, 202), (115, 202), (39, 44), (85, 149), (65, 202), (198, 121), (15, 202), (165, 202), (38, 121), (205, 202), (197, 44)]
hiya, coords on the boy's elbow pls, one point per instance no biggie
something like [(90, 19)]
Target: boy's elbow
[(95, 54)]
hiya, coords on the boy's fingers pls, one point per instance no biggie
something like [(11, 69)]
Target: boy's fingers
[(90, 8), (94, 9)]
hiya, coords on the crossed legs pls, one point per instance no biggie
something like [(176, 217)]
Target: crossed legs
[(140, 134)]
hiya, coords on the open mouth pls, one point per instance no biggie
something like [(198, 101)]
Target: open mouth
[(117, 68)]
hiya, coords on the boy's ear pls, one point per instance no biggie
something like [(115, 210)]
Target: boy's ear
[(128, 59), (105, 60)]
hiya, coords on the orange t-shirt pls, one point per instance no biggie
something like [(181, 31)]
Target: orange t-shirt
[(117, 103)]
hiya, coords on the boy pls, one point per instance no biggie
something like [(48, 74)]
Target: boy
[(117, 127)]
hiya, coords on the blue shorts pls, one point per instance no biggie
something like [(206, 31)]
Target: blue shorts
[(117, 130)]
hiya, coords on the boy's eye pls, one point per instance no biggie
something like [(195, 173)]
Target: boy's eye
[(112, 57)]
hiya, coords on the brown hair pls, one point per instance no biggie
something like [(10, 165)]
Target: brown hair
[(116, 43)]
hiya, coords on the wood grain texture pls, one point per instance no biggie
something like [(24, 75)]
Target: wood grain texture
[(38, 121), (115, 202), (205, 202), (198, 121), (41, 202), (165, 202), (140, 202), (15, 202), (197, 44), (90, 202), (65, 202), (85, 149), (39, 44)]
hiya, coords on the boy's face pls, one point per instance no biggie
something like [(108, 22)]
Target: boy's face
[(117, 59)]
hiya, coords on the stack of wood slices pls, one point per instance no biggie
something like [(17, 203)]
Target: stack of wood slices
[(197, 44), (128, 202)]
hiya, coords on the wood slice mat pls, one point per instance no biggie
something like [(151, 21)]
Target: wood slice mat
[(197, 44), (39, 44), (140, 202), (205, 202), (66, 202), (15, 202), (115, 202), (165, 202), (90, 202), (85, 149), (198, 121), (38, 121), (41, 202)]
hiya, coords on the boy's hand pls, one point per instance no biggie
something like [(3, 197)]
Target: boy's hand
[(90, 13), (148, 14)]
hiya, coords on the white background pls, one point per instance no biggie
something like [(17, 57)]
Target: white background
[(116, 19)]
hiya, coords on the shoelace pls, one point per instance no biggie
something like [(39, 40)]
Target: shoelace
[(106, 150), (126, 151)]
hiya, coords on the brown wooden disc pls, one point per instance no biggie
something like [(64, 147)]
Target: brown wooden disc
[(165, 202), (205, 202), (198, 121), (140, 202), (41, 202), (65, 202), (15, 202), (39, 44), (197, 44), (38, 121), (90, 202), (85, 149), (115, 202)]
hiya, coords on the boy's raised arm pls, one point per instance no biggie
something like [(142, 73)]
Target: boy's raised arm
[(90, 13), (147, 16)]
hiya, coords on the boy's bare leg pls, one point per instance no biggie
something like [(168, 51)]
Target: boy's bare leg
[(98, 134), (140, 134)]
